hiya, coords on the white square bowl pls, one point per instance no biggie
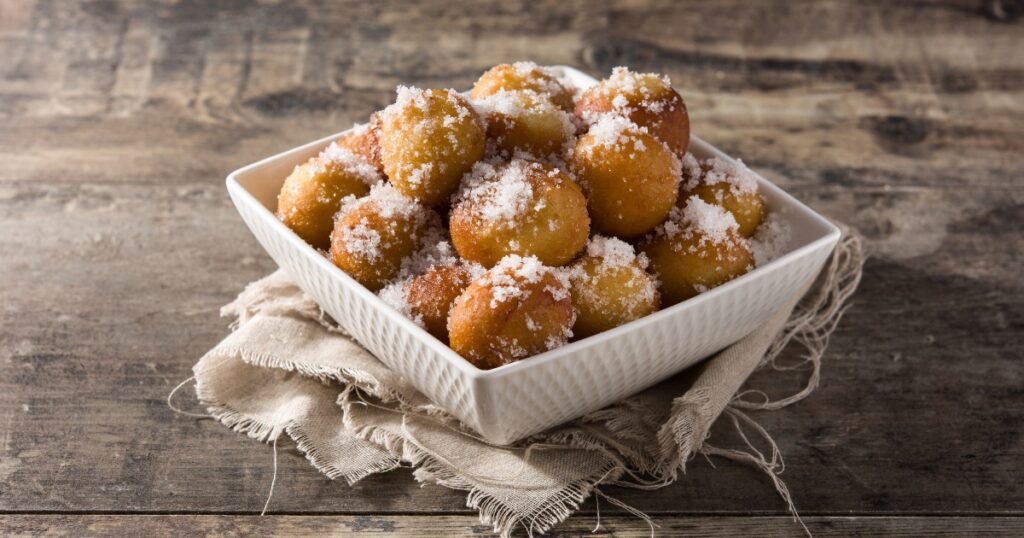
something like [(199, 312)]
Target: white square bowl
[(516, 400)]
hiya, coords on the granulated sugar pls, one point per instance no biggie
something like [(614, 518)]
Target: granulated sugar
[(512, 104), (425, 116), (550, 81), (560, 339), (612, 251), (613, 257), (353, 164), (619, 134), (387, 204), (614, 131), (736, 174), (413, 97), (690, 171), (499, 194), (771, 239), (417, 174), (628, 91), (521, 109), (407, 96), (623, 80), (704, 223), (363, 241), (391, 203), (508, 278), (435, 250), (396, 296), (712, 221)]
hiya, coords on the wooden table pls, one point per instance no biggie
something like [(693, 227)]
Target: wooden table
[(118, 121)]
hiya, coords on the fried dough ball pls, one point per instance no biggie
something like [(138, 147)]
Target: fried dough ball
[(646, 98), (362, 140), (730, 185), (312, 193), (610, 287), (427, 297), (698, 248), (517, 309), (631, 179), (525, 121), (522, 207), (523, 76), (428, 140), (431, 295), (374, 234)]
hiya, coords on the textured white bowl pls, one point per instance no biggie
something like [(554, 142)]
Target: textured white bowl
[(519, 399)]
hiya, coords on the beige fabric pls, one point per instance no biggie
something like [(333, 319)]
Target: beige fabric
[(286, 368)]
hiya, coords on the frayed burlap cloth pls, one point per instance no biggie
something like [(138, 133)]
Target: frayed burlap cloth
[(287, 369)]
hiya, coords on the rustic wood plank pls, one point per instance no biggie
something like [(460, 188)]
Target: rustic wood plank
[(119, 243), (846, 97), (457, 525), (120, 265)]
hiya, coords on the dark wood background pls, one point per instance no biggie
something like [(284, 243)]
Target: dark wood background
[(120, 119)]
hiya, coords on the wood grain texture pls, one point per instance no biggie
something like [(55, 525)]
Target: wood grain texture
[(118, 244), (462, 525)]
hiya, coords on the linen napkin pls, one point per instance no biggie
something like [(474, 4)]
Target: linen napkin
[(288, 369)]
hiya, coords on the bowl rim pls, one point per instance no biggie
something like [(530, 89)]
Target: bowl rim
[(240, 193)]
